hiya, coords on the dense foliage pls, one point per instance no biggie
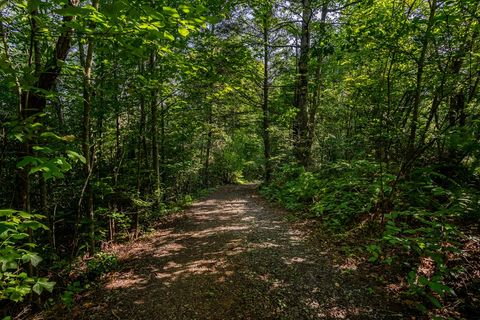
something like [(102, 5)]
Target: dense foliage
[(362, 114)]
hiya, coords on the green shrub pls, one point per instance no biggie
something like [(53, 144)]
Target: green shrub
[(423, 227), (17, 253), (419, 221), (416, 236), (337, 193), (100, 264), (68, 295)]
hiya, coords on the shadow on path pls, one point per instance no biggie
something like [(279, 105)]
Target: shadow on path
[(229, 257)]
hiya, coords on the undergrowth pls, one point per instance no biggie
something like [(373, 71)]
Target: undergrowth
[(416, 223)]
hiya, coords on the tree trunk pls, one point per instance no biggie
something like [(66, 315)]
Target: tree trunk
[(143, 125), (206, 177), (315, 101), (302, 151), (265, 110), (87, 62), (163, 173), (35, 101), (154, 134), (418, 87)]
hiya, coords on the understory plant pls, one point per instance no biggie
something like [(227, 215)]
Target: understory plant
[(337, 193), (18, 255), (418, 229)]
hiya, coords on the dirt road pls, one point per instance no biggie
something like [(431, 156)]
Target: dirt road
[(231, 256)]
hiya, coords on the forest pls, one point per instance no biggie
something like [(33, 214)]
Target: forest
[(359, 117)]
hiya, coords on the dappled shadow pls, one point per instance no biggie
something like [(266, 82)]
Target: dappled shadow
[(230, 258)]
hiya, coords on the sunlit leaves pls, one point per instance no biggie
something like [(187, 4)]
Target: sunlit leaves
[(15, 254), (167, 35), (183, 31), (76, 156), (184, 8), (172, 12)]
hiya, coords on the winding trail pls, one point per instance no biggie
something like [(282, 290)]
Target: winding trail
[(232, 256)]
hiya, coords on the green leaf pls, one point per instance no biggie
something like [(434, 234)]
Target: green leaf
[(422, 280), (34, 225), (8, 263), (62, 163), (43, 283), (32, 257), (76, 156), (68, 138), (168, 35), (25, 215), (438, 287), (28, 160), (20, 236), (184, 8), (42, 149), (183, 31), (50, 135), (19, 136), (67, 298), (434, 301), (17, 293), (7, 212), (171, 11)]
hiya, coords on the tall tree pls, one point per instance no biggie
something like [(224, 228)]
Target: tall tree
[(302, 149), (87, 64)]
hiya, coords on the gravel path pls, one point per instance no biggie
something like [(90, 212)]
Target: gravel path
[(232, 256)]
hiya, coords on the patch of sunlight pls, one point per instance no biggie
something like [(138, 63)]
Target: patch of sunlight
[(350, 264), (172, 271), (263, 245), (294, 260), (335, 312), (296, 236), (271, 227), (212, 231), (168, 249), (127, 280), (274, 283)]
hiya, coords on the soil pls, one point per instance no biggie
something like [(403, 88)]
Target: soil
[(234, 256)]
